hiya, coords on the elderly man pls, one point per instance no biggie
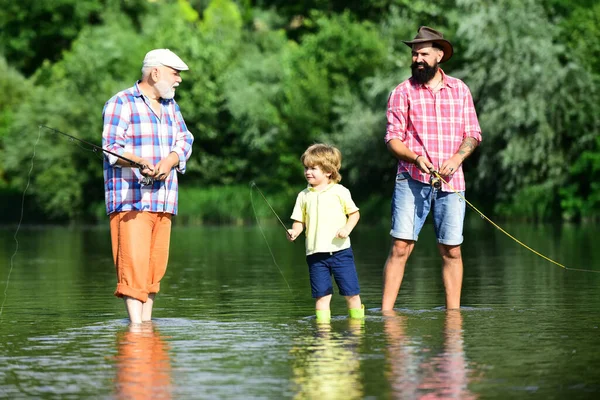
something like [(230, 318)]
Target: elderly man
[(431, 126), (144, 124)]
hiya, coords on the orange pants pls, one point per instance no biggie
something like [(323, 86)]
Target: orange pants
[(140, 245)]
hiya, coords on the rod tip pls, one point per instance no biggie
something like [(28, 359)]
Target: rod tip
[(252, 184)]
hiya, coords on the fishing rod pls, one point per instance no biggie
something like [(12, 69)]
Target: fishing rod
[(146, 180), (436, 181), (483, 216), (253, 185)]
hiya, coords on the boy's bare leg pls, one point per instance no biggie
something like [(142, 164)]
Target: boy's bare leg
[(322, 303), (134, 309), (353, 301), (452, 274), (393, 271), (147, 308)]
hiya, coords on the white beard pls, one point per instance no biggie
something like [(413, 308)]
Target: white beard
[(165, 91)]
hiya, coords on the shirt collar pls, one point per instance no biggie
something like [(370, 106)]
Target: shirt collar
[(136, 90), (448, 81), (311, 189)]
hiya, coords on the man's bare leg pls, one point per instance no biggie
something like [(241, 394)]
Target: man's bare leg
[(393, 271), (452, 273), (134, 309), (147, 308)]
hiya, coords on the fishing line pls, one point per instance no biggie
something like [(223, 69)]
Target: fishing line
[(508, 234), (253, 186), (19, 224)]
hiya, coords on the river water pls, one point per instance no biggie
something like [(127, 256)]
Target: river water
[(234, 320)]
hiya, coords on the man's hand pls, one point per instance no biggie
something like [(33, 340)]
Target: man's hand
[(147, 167), (423, 164), (451, 165), (163, 168)]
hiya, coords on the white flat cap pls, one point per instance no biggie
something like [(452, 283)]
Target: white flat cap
[(166, 57)]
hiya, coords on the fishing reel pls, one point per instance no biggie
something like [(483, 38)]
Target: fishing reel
[(434, 181), (146, 181)]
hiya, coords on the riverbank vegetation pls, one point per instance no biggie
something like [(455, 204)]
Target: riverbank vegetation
[(268, 78)]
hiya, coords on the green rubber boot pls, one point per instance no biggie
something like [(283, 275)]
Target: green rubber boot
[(323, 316), (358, 313)]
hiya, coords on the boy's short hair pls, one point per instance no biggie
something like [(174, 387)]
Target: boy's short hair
[(326, 157)]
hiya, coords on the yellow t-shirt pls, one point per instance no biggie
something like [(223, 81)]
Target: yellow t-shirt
[(323, 213)]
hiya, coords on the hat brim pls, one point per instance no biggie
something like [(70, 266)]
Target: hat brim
[(444, 44)]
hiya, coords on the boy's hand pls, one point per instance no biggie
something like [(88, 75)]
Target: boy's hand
[(292, 235), (343, 233)]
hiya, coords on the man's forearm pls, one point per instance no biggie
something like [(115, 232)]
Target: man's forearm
[(131, 157), (173, 159), (400, 151), (467, 147)]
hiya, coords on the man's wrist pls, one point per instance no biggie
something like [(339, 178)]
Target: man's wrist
[(416, 158), (174, 159)]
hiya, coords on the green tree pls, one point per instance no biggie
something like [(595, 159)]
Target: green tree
[(580, 198), (34, 31), (533, 101), (69, 96)]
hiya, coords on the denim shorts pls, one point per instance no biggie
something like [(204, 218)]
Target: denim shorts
[(340, 264), (411, 203)]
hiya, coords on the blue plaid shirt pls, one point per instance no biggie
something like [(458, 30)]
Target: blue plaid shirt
[(130, 125)]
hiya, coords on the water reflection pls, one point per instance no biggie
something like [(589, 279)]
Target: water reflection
[(326, 365), (143, 364), (413, 374)]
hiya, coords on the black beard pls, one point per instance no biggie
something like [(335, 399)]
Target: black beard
[(424, 75)]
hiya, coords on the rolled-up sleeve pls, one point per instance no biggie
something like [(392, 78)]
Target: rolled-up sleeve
[(397, 111), (116, 121), (471, 123), (183, 142)]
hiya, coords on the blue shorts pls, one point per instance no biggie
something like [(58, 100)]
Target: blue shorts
[(340, 264), (411, 203)]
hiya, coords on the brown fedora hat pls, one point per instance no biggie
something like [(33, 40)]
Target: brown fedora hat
[(427, 34)]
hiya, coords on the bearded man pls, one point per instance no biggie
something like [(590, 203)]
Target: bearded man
[(431, 127), (144, 124)]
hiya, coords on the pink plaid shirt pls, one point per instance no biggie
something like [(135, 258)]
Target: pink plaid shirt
[(432, 125), (130, 125)]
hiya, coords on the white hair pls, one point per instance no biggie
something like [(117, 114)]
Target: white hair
[(146, 71)]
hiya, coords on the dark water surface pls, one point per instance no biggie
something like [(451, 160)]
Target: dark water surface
[(227, 325)]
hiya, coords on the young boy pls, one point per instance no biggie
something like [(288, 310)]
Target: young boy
[(327, 211)]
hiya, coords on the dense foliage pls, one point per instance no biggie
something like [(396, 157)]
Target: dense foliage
[(268, 78)]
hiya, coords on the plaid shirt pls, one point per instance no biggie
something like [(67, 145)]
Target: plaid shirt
[(432, 125), (130, 125)]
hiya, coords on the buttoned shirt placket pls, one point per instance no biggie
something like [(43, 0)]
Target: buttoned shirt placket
[(160, 142)]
